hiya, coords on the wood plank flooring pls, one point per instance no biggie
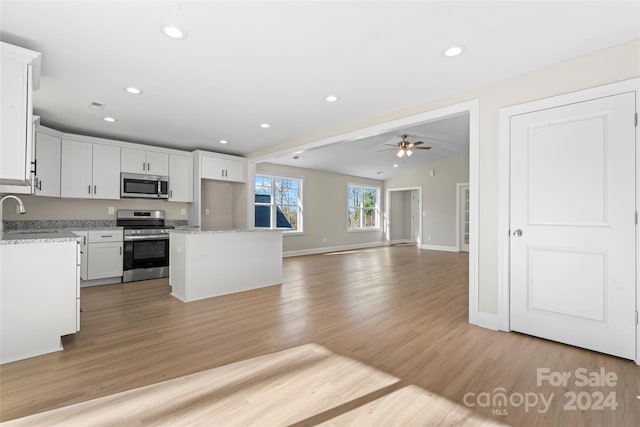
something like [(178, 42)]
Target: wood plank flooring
[(399, 310)]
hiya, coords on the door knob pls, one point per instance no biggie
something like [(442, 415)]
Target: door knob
[(517, 233)]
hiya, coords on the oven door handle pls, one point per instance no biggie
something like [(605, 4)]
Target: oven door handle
[(131, 238)]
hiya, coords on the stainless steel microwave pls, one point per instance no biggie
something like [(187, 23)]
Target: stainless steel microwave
[(134, 185)]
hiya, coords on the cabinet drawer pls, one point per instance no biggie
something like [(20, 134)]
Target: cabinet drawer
[(103, 236)]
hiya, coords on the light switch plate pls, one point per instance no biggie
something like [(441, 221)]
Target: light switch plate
[(183, 211), (111, 210)]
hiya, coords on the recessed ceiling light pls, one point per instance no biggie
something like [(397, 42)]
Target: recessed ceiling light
[(331, 98), (133, 90), (109, 119), (395, 165), (453, 51), (295, 153), (174, 32), (224, 141), (265, 125)]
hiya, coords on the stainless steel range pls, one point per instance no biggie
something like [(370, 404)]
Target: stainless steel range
[(146, 244)]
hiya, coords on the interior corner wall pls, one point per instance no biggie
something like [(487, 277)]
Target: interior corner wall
[(439, 216), (617, 63), (325, 209)]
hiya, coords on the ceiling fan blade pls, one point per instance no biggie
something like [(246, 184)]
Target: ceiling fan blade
[(422, 148), (418, 143), (392, 145), (386, 149)]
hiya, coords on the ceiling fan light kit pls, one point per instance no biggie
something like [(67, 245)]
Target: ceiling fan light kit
[(405, 147)]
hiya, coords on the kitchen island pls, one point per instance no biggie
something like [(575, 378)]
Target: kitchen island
[(208, 263), (39, 292)]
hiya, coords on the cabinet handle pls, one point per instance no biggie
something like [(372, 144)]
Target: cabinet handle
[(148, 167), (40, 184), (35, 167), (170, 193), (84, 240), (107, 236), (95, 189), (89, 189), (120, 250), (144, 166)]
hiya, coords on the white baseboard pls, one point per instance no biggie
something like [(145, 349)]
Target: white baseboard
[(99, 282), (439, 248), (488, 321), (314, 251), (401, 241)]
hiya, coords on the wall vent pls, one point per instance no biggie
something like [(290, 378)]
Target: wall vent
[(96, 105)]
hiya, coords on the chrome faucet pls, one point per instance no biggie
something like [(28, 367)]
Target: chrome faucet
[(21, 208)]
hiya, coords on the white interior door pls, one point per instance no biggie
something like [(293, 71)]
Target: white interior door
[(572, 271)]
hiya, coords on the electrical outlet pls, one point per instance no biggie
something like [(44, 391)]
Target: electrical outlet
[(183, 211), (111, 210), (429, 237), (207, 212)]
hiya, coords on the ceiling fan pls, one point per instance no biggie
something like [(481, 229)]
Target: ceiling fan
[(405, 148)]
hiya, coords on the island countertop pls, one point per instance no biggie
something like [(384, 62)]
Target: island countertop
[(37, 236), (200, 230)]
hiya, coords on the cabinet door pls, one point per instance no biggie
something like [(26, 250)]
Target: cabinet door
[(157, 163), (15, 146), (106, 172), (76, 169), (180, 179), (133, 160), (47, 165), (212, 168), (83, 253), (105, 260), (234, 170)]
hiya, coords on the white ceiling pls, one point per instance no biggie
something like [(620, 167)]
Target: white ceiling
[(245, 63)]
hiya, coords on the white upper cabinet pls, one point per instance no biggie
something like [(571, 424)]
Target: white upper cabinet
[(144, 162), (47, 165), (222, 168), (180, 178), (106, 172), (20, 71), (76, 174), (89, 171)]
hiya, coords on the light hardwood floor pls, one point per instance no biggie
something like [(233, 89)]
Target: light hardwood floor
[(399, 310)]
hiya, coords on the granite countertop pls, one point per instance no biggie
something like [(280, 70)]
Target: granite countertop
[(37, 236), (199, 230)]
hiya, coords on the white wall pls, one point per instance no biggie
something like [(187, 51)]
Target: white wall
[(226, 202), (53, 208), (325, 209), (438, 197), (610, 65), (400, 216)]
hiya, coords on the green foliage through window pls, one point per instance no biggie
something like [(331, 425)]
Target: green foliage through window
[(363, 208)]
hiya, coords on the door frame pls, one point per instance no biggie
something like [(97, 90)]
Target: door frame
[(387, 212), (459, 187), (504, 183)]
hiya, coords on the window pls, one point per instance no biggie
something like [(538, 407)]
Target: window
[(278, 203), (363, 208)]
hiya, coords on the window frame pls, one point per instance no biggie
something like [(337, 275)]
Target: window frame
[(377, 208), (273, 206)]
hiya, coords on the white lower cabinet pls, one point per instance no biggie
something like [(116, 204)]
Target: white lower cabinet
[(104, 254), (38, 297)]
